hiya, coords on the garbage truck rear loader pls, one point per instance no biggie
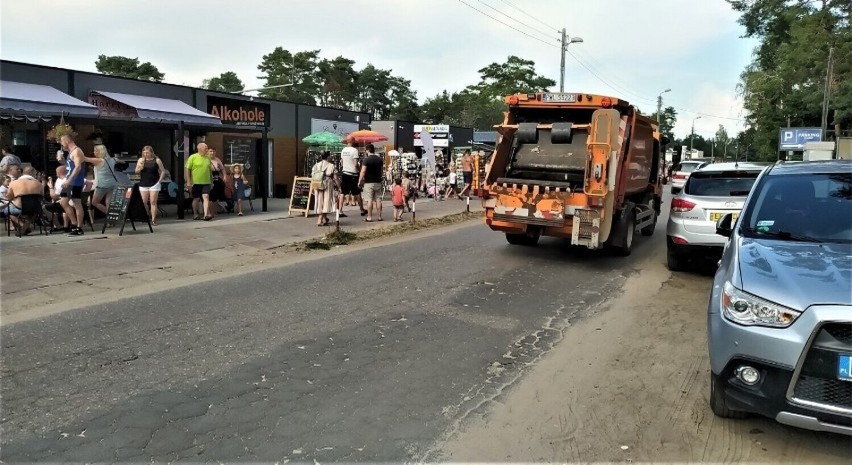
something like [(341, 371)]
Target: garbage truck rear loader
[(580, 166)]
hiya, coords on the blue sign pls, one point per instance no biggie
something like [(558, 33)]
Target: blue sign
[(795, 138)]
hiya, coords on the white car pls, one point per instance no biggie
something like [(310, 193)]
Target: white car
[(681, 171)]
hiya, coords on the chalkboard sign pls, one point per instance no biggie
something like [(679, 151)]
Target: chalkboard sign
[(300, 198), (126, 205), (239, 151)]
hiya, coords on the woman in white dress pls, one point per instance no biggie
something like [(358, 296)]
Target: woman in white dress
[(325, 189)]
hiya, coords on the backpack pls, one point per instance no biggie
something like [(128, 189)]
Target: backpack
[(317, 173)]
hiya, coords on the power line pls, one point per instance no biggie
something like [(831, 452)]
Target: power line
[(545, 34), (531, 16), (508, 25)]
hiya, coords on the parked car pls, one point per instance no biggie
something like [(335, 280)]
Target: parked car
[(709, 193), (779, 320), (681, 171)]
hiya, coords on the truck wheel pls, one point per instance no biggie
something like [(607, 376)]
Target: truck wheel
[(626, 247), (649, 230), (522, 239), (718, 404)]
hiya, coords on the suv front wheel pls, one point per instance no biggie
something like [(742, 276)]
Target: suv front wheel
[(718, 404)]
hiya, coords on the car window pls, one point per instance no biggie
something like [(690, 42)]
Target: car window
[(802, 207), (720, 183), (688, 167)]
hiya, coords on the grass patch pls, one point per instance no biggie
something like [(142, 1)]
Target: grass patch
[(332, 239)]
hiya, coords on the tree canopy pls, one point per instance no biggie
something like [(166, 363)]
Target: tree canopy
[(128, 67), (785, 83), (225, 82)]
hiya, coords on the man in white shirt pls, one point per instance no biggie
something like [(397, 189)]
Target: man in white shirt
[(350, 168)]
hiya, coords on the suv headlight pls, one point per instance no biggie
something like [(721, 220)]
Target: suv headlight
[(746, 309)]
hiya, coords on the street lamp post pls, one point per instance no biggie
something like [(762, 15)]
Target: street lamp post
[(660, 106), (692, 134), (564, 47)]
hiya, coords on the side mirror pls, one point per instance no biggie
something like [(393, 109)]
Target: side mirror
[(724, 225)]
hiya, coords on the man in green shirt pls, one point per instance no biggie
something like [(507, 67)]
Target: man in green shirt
[(199, 178)]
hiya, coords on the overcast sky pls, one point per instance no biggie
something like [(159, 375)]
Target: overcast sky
[(636, 48)]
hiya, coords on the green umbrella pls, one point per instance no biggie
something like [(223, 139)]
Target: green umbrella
[(324, 139)]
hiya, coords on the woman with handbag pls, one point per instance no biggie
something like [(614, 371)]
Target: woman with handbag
[(322, 175), (105, 178)]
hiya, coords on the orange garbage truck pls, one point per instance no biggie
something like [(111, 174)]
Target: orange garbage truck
[(578, 166)]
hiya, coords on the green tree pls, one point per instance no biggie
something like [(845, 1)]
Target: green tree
[(721, 143), (405, 100), (667, 122), (225, 82), (337, 79), (128, 67), (516, 75), (784, 84), (296, 70)]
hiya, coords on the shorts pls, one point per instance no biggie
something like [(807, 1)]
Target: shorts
[(372, 191), (12, 209), (349, 184), (76, 192), (103, 191), (468, 177), (217, 191), (155, 188), (199, 189)]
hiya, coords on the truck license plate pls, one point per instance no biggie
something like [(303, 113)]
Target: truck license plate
[(557, 97), (844, 367)]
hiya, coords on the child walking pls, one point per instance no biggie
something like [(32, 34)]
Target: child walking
[(239, 187), (398, 197)]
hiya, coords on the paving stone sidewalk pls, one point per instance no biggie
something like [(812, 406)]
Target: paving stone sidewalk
[(38, 271)]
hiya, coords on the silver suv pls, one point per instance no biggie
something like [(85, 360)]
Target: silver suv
[(710, 192), (779, 322)]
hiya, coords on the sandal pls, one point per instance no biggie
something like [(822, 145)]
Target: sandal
[(208, 218), (368, 220)]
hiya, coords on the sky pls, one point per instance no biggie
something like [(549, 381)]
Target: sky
[(631, 49)]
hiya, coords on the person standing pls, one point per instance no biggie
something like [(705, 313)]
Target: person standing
[(151, 172), (240, 186), (467, 173), (199, 177), (325, 188), (350, 167), (370, 182), (217, 187), (408, 190), (105, 179), (398, 199), (75, 165)]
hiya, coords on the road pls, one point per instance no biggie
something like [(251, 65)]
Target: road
[(444, 345)]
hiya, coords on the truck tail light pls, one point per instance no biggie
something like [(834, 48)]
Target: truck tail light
[(606, 102), (513, 100), (680, 205)]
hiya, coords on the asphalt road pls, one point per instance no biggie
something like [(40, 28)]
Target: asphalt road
[(364, 356)]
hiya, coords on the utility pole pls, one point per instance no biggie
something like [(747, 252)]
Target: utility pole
[(660, 108), (565, 42), (692, 133), (826, 98)]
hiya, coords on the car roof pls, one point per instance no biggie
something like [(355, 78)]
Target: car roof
[(734, 166), (698, 162), (812, 167)]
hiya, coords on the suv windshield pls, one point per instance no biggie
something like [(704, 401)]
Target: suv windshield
[(720, 183), (811, 207)]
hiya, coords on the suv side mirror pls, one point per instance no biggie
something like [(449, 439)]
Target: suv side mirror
[(724, 225)]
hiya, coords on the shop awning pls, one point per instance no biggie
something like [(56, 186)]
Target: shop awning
[(20, 98), (163, 109)]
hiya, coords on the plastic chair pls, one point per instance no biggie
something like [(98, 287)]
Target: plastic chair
[(30, 209)]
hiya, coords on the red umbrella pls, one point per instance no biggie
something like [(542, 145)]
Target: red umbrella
[(365, 136)]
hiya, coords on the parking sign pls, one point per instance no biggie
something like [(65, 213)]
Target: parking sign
[(795, 138)]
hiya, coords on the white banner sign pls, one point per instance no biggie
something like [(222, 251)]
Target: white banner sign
[(340, 128), (440, 134), (428, 149)]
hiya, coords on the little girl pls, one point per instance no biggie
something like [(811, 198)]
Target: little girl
[(239, 187), (398, 197)]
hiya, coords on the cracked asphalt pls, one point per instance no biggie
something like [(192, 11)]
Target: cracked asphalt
[(370, 355)]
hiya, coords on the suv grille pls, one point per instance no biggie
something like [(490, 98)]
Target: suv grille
[(817, 381), (825, 391), (841, 332)]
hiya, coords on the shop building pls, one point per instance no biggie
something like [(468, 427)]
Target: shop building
[(127, 114), (405, 135)]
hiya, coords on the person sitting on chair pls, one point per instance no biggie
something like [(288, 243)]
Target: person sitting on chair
[(27, 184)]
